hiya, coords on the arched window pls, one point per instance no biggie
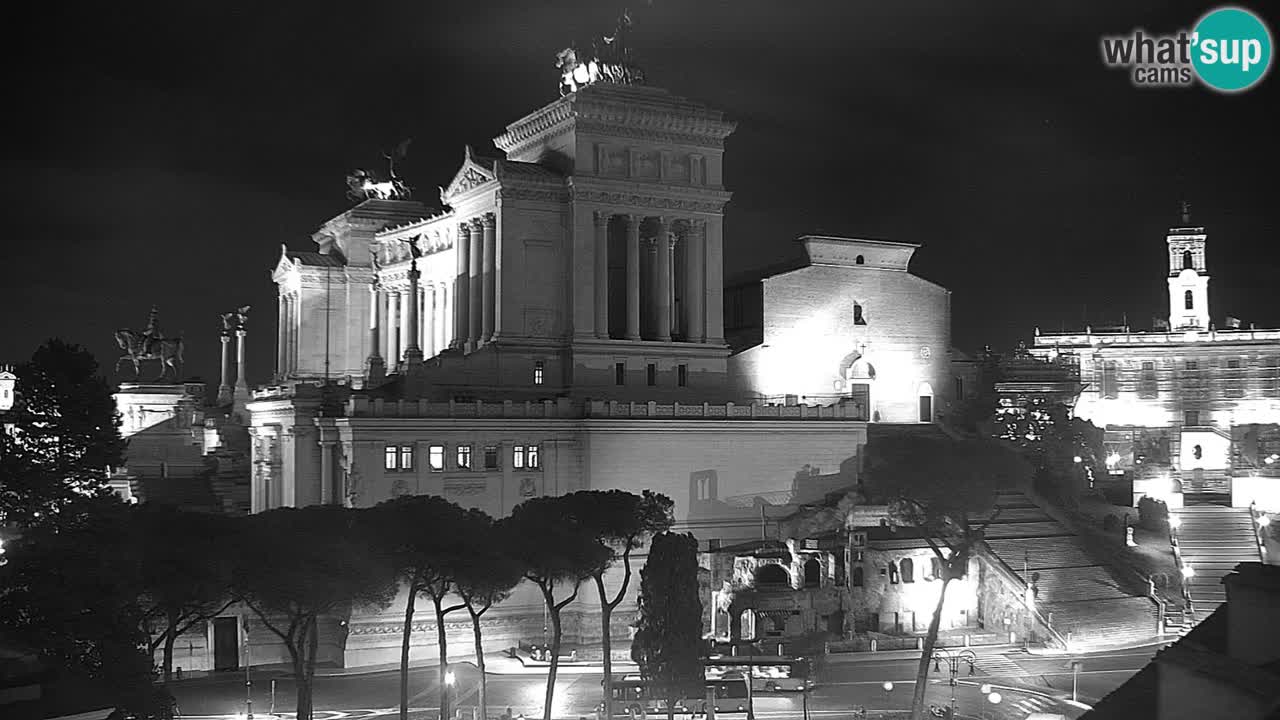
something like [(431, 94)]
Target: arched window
[(771, 575), (812, 573), (859, 260), (1186, 298), (1188, 263), (858, 319), (857, 576), (908, 570)]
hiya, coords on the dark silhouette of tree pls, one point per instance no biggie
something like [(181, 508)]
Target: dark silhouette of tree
[(668, 643), (486, 579), (424, 537), (185, 572), (65, 435), (69, 592), (622, 521), (298, 565), (551, 542), (945, 488)]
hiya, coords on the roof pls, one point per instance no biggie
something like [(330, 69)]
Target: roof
[(315, 259), (532, 171)]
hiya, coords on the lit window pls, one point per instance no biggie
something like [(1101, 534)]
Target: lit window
[(390, 459), (538, 367), (491, 457), (517, 457), (464, 457), (533, 457), (682, 375), (406, 457), (435, 458), (651, 373)]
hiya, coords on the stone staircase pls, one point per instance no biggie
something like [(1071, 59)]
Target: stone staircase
[(1081, 597), (1213, 539)]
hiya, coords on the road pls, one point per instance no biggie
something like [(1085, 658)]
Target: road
[(844, 686)]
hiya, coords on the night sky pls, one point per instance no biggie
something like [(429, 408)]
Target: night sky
[(163, 152)]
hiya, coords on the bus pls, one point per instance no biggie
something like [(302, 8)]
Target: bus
[(635, 697), (769, 673)]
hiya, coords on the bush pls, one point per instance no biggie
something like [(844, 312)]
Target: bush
[(1153, 514), (1110, 523)]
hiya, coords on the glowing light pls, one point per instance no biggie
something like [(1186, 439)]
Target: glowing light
[(1188, 572), (449, 678), (1175, 522), (985, 689), (1077, 459), (1113, 459), (1263, 521), (994, 698), (888, 686)]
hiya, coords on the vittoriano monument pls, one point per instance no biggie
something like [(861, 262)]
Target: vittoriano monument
[(364, 185), (149, 345), (610, 61)]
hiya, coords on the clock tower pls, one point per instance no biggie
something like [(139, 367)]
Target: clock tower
[(1188, 276)]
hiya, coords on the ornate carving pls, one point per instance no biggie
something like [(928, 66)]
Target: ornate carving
[(463, 488), (471, 178), (649, 201)]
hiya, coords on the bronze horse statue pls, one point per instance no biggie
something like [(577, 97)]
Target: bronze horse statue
[(138, 347)]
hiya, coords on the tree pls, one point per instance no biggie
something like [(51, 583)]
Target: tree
[(486, 579), (1051, 440), (946, 489), (425, 538), (668, 642), (550, 541), (65, 436), (69, 592), (299, 565), (621, 521), (185, 572)]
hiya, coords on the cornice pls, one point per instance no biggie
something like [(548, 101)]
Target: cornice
[(534, 125), (641, 199)]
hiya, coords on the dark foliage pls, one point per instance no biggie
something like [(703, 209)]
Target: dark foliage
[(668, 644)]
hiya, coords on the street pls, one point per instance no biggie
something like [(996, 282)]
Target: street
[(1025, 682)]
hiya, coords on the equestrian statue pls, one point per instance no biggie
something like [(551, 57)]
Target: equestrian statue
[(149, 345)]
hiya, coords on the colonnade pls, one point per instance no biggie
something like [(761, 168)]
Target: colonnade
[(391, 319)]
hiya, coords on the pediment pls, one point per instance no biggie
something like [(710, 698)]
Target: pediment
[(475, 171), (284, 266)]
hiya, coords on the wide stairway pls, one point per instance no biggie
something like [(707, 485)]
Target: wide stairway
[(1079, 595), (1212, 540)]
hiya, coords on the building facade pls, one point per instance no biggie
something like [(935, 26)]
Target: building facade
[(1184, 387)]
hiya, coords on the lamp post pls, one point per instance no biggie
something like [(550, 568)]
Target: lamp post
[(888, 690), (993, 698), (953, 661), (985, 690), (248, 681), (1075, 678), (449, 680)]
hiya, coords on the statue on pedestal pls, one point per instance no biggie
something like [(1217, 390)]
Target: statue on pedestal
[(364, 185), (147, 345)]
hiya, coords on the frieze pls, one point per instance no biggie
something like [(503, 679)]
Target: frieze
[(649, 201), (512, 193)]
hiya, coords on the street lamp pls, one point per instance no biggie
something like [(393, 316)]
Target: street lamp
[(993, 698), (1188, 572), (888, 690), (953, 661), (248, 680), (449, 680)]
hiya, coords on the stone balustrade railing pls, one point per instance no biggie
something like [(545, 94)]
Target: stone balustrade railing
[(1231, 335), (377, 407), (563, 408), (614, 409)]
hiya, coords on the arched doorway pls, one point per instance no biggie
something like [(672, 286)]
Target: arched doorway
[(925, 394), (771, 575), (859, 376)]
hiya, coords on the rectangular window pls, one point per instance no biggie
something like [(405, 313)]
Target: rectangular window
[(406, 457), (517, 457), (651, 373), (391, 458), (1234, 363), (682, 375), (1148, 387), (533, 458), (490, 457), (1109, 389), (1191, 418), (959, 388), (1192, 365), (435, 458), (619, 373), (464, 457), (538, 367)]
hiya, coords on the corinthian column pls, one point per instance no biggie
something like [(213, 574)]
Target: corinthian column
[(393, 323), (403, 309), (412, 351), (715, 281), (461, 287), (663, 272), (602, 274), (476, 284), (695, 282), (224, 388), (633, 276), (375, 367), (490, 269), (429, 315), (282, 338)]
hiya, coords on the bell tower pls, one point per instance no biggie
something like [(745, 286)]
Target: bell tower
[(1188, 275)]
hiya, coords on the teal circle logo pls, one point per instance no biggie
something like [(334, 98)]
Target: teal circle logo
[(1231, 49)]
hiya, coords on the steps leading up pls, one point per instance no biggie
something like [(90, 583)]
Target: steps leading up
[(1213, 539)]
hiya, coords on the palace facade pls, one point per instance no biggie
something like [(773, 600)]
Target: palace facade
[(1191, 407)]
